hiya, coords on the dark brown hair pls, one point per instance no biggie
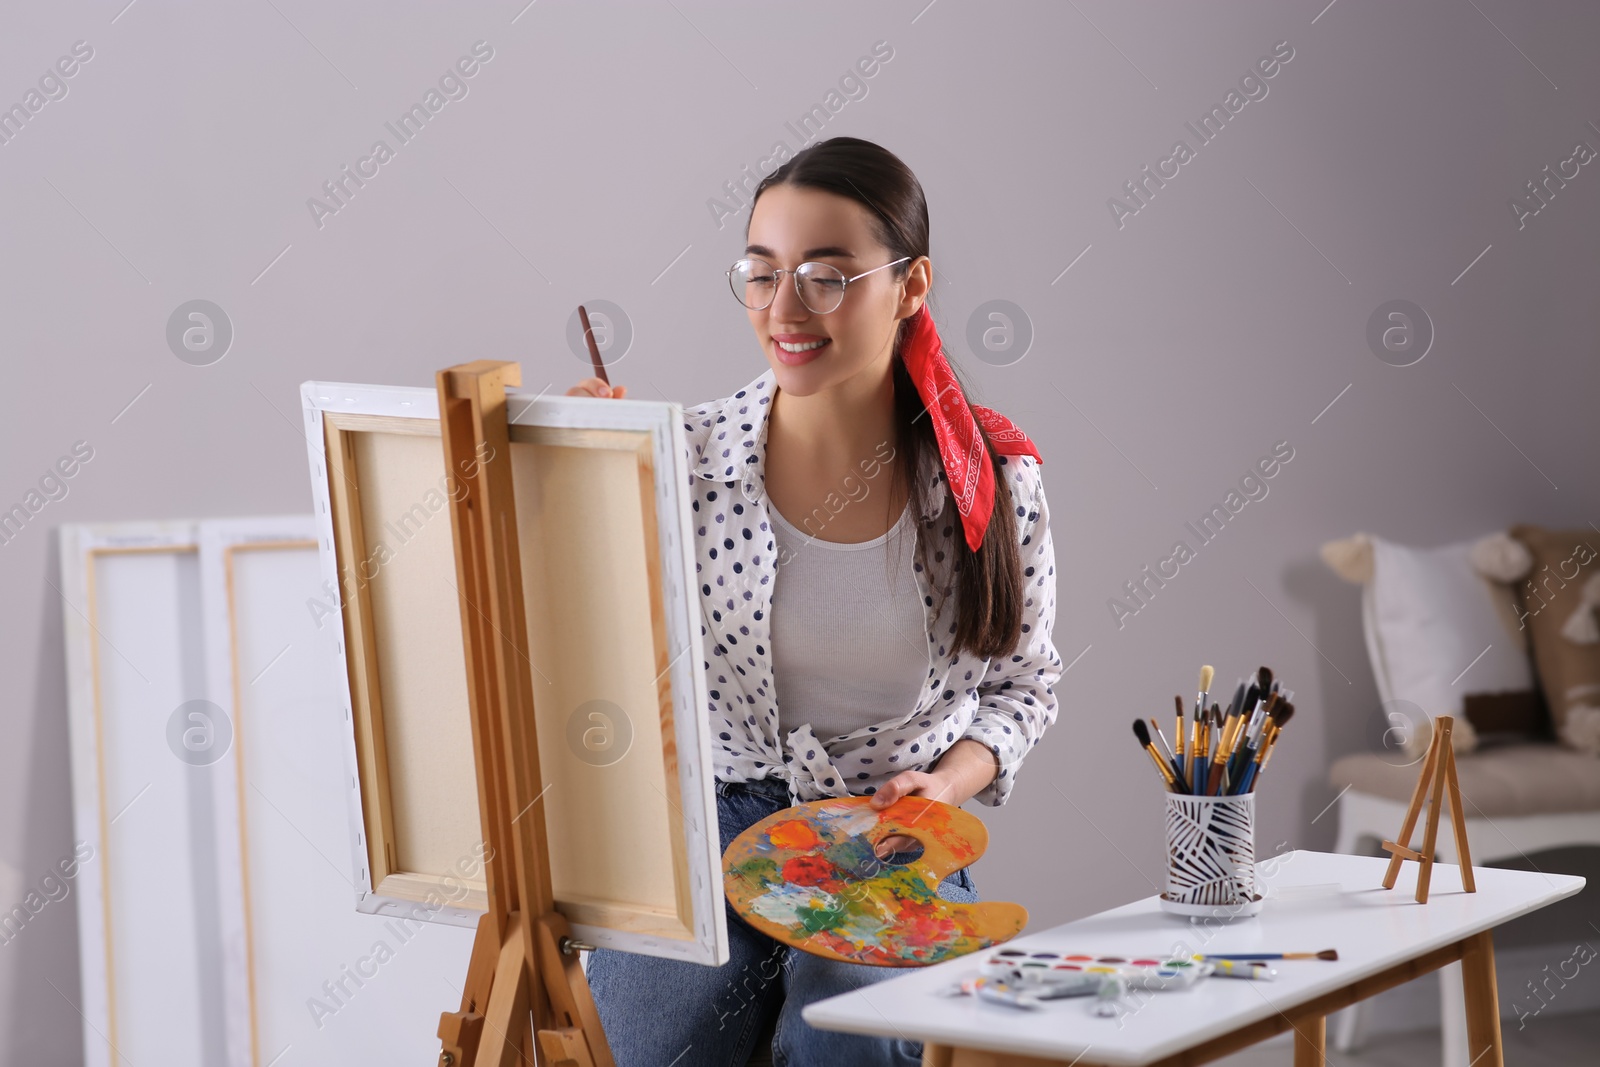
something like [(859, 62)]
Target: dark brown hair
[(989, 581)]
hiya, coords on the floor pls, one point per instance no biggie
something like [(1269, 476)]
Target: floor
[(1554, 1041)]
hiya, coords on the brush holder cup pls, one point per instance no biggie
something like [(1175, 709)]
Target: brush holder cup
[(1211, 857)]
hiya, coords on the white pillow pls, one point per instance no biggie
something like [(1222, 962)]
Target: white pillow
[(1435, 634)]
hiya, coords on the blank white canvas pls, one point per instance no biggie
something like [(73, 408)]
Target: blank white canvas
[(148, 628), (153, 988), (323, 991)]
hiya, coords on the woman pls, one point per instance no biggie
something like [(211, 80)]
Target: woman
[(839, 663)]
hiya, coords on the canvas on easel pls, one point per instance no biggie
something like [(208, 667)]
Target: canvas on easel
[(614, 653)]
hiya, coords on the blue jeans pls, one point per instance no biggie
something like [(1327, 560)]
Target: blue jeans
[(669, 1013)]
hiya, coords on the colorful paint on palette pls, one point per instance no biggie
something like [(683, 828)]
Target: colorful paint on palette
[(809, 876)]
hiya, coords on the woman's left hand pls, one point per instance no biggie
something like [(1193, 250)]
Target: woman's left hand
[(961, 773), (907, 784)]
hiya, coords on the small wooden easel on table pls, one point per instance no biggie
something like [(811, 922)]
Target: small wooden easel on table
[(524, 982), (1438, 769)]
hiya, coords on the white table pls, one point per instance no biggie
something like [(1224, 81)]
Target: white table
[(1314, 901)]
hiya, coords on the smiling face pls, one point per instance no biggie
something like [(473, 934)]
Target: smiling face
[(793, 224)]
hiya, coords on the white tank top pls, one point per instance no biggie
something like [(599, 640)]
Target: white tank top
[(849, 637)]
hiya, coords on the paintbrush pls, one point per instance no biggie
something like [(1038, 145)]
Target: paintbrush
[(1208, 722), (1280, 715), (1161, 739), (1241, 719), (1195, 758), (1325, 954), (1204, 695), (1142, 732), (594, 349), (1178, 732), (1207, 672), (1285, 713), (1245, 749), (1219, 762), (1269, 736), (1237, 702), (1251, 695), (1214, 727), (1172, 760)]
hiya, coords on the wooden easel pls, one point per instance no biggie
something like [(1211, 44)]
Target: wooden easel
[(1438, 768), (524, 982)]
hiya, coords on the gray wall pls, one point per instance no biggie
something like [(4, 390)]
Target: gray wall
[(1223, 317)]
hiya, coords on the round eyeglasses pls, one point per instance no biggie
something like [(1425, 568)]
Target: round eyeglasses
[(821, 286)]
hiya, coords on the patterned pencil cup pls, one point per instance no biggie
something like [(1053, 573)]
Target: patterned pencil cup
[(1211, 856)]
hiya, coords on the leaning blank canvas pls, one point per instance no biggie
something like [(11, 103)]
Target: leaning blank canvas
[(308, 979), (208, 752), (147, 898), (604, 534)]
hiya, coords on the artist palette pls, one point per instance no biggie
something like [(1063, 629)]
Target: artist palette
[(1050, 968), (809, 876)]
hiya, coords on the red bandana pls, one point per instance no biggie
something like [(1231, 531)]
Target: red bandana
[(955, 426)]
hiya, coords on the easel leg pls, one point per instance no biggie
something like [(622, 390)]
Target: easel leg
[(1458, 825), (1406, 828), (507, 1024), (1311, 1042), (1482, 1001), (575, 1035), (1430, 839)]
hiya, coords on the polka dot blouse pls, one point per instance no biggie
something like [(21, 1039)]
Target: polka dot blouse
[(1005, 703)]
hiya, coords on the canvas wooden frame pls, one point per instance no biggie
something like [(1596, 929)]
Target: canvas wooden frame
[(604, 525)]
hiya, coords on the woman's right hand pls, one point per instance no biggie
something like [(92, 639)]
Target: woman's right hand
[(596, 387)]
